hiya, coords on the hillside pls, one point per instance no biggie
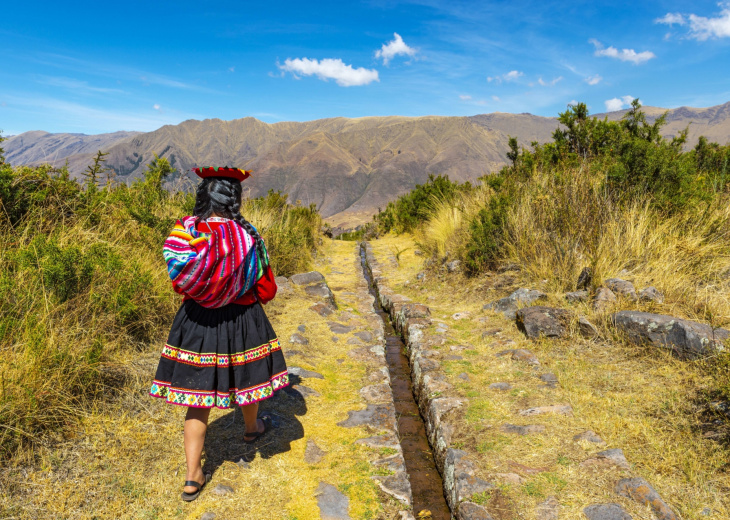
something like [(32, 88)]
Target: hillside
[(347, 167)]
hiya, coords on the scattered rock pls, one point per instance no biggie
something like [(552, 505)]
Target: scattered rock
[(522, 430), (460, 479), (500, 386), (687, 339), (210, 515), (394, 463), (472, 511), (396, 486), (302, 372), (388, 440), (421, 276), (641, 491), (321, 291), (606, 512), (491, 332), (463, 376), (354, 341), (322, 309), (313, 454), (282, 282), (223, 490), (543, 321), (585, 278), (461, 316), (339, 328), (549, 378), (298, 339), (622, 288), (577, 296), (564, 409), (375, 417), (521, 354), (377, 393), (589, 436), (306, 278), (365, 335), (587, 329), (459, 348), (547, 510), (508, 306), (453, 266), (510, 478), (607, 458), (603, 299), (332, 504), (302, 328), (651, 294)]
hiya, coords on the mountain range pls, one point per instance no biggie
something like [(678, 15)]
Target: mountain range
[(347, 167)]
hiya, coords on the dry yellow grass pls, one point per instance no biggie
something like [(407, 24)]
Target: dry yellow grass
[(638, 399), (126, 458)]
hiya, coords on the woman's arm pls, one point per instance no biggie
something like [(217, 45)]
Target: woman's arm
[(266, 287)]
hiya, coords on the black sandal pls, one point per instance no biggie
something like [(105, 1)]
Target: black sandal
[(189, 497), (268, 425)]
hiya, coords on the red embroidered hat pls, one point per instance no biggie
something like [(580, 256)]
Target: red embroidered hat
[(224, 171)]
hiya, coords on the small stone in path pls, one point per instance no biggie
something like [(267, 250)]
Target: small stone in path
[(549, 378), (302, 328), (321, 309), (642, 492), (208, 515), (377, 393), (491, 332), (306, 278), (547, 510), (354, 341), (222, 490), (607, 458), (387, 440), (364, 335), (589, 436), (298, 339), (302, 372), (332, 504), (603, 299), (564, 409), (651, 294), (521, 354), (500, 386), (522, 430), (472, 511), (606, 512), (394, 463), (577, 296), (510, 478), (339, 328), (313, 454), (587, 329), (375, 416), (461, 316), (459, 348), (463, 376), (335, 339), (396, 486)]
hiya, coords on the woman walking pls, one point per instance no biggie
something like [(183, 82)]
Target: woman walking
[(221, 349)]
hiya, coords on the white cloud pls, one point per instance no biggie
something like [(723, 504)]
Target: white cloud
[(701, 27), (156, 106), (572, 103), (335, 69), (76, 85), (593, 80), (495, 98), (394, 48), (624, 54), (549, 83), (231, 69), (465, 97), (612, 105), (510, 76)]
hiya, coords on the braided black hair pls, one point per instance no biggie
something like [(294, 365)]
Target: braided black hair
[(222, 196)]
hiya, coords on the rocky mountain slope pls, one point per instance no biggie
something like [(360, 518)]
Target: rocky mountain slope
[(348, 167)]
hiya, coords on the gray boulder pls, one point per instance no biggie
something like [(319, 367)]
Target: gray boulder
[(508, 306), (585, 278), (544, 321), (686, 339), (577, 296), (651, 294), (622, 288), (307, 278), (603, 299)]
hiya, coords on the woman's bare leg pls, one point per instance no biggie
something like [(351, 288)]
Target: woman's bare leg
[(250, 416), (196, 424)]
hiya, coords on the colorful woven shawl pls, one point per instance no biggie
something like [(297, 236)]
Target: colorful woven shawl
[(212, 268)]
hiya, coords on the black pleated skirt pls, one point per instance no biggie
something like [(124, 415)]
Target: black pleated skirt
[(220, 357)]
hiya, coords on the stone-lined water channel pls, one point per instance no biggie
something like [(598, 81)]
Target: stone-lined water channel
[(426, 483)]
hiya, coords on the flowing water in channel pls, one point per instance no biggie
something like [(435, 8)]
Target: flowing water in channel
[(426, 483)]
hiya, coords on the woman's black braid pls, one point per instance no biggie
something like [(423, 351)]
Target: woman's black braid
[(222, 196)]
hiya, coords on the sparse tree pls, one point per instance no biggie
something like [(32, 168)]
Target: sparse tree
[(93, 171), (514, 151)]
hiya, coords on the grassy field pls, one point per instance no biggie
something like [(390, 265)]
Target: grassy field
[(640, 400)]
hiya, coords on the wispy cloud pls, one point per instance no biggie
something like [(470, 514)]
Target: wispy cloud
[(550, 83), (395, 47), (76, 85), (344, 75), (701, 27), (465, 97), (612, 105), (509, 76), (593, 80), (631, 55)]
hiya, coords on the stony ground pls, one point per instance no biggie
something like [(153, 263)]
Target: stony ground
[(126, 459), (558, 428)]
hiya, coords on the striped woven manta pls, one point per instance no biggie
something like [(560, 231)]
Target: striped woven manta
[(212, 268)]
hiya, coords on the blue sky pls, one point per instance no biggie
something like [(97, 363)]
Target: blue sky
[(93, 67)]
